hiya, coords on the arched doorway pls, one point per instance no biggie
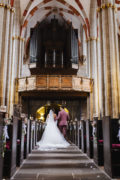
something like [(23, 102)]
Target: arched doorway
[(43, 111)]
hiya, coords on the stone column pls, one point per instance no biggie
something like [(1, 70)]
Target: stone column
[(9, 59), (4, 52), (93, 59), (15, 57), (110, 64), (13, 74), (89, 103), (88, 58), (19, 65), (117, 51), (100, 66), (2, 9)]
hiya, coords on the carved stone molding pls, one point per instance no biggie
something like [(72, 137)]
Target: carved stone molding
[(31, 83), (22, 84), (82, 59)]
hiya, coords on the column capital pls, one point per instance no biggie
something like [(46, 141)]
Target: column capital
[(107, 6), (92, 39), (7, 6), (18, 38)]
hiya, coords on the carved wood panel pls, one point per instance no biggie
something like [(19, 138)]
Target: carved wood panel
[(54, 82), (41, 82), (66, 82)]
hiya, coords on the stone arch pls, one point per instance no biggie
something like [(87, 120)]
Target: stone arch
[(73, 10)]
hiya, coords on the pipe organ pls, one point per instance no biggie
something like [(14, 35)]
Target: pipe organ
[(53, 45)]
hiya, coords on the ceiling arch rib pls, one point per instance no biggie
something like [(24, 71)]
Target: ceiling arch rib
[(72, 9), (85, 20), (76, 4), (40, 17), (12, 3), (48, 8), (84, 13), (30, 5)]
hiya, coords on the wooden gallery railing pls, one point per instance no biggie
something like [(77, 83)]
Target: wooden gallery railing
[(55, 82)]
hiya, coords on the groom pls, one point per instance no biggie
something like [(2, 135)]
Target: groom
[(62, 120)]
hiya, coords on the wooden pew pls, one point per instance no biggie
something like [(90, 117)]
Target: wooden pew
[(68, 131), (1, 143), (98, 142), (83, 136), (73, 133), (111, 147), (71, 130), (8, 153), (38, 131), (76, 132), (89, 139), (11, 153), (79, 134), (26, 141), (30, 137), (33, 134), (20, 142)]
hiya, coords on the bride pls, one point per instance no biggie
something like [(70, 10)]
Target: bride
[(52, 137)]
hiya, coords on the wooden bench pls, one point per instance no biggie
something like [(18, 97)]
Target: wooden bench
[(111, 147)]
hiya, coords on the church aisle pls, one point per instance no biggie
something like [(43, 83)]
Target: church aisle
[(61, 164)]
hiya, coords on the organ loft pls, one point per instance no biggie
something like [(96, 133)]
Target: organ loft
[(53, 48), (60, 54)]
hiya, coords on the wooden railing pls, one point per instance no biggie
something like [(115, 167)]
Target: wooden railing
[(55, 82)]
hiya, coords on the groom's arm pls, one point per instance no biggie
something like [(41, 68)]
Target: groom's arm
[(58, 117)]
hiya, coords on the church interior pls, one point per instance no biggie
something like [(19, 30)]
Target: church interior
[(56, 53)]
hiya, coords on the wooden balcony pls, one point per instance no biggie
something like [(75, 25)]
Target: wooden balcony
[(55, 82)]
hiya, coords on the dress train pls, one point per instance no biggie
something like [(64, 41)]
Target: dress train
[(52, 138)]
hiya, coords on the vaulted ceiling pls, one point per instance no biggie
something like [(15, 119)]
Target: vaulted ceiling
[(75, 11), (30, 4)]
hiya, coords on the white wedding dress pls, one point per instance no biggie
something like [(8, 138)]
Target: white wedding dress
[(52, 138)]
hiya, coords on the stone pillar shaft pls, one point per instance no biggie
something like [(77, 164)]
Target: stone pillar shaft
[(1, 28), (88, 58), (110, 72), (15, 57), (13, 75), (93, 57), (117, 51), (4, 55), (100, 68), (9, 61)]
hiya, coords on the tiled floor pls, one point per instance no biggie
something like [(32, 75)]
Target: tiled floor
[(61, 164)]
